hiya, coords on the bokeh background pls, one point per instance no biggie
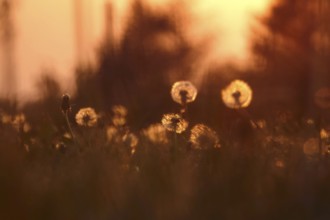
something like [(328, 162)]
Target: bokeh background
[(56, 36), (273, 162)]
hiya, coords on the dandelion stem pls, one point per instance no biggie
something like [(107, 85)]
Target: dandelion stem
[(183, 110), (174, 148), (69, 126)]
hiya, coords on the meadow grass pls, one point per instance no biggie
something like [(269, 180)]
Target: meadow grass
[(271, 168)]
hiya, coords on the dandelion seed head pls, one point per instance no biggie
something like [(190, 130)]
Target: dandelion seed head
[(156, 134), (119, 115), (183, 92), (174, 122), (65, 105), (203, 137), (322, 98), (237, 94), (86, 117)]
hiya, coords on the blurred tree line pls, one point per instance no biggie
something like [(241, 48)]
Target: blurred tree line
[(292, 52), (290, 62), (138, 71)]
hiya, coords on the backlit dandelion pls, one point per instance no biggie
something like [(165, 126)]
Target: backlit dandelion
[(119, 115), (322, 98), (174, 122), (183, 92), (156, 134), (237, 94), (203, 137), (86, 117)]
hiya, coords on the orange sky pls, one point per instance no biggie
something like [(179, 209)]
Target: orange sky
[(45, 33)]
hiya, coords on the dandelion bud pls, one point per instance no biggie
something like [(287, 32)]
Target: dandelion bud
[(65, 106)]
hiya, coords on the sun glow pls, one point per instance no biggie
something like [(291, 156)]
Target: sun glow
[(46, 33), (228, 23)]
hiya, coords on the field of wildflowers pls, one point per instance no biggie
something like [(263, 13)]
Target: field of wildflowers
[(143, 138), (91, 164)]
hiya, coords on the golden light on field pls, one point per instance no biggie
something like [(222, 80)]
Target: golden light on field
[(46, 33)]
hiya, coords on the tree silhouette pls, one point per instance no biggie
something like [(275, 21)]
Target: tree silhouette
[(288, 51), (139, 71)]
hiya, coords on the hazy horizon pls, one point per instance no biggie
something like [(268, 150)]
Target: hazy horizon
[(46, 35)]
